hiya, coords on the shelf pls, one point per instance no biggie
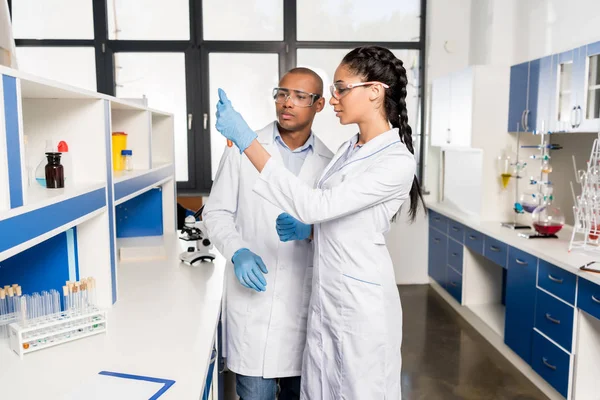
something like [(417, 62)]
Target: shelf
[(492, 314), (47, 213), (133, 183)]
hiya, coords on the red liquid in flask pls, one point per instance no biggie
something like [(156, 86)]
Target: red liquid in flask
[(594, 232), (547, 229)]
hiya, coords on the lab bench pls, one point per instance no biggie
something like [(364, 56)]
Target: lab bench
[(528, 297), (163, 326)]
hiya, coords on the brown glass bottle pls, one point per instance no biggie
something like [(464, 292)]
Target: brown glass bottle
[(55, 174)]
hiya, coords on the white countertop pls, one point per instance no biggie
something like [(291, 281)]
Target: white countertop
[(163, 326), (554, 251)]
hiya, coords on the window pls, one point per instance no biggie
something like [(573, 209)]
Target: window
[(243, 20), (365, 21), (74, 66), (160, 78), (148, 19), (177, 53), (56, 19)]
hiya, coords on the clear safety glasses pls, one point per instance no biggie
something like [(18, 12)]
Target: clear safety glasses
[(298, 97), (339, 89)]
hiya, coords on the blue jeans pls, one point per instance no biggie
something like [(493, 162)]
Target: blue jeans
[(259, 388)]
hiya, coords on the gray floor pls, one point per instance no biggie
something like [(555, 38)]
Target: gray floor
[(445, 359)]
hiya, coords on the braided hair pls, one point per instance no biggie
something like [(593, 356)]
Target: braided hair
[(374, 63)]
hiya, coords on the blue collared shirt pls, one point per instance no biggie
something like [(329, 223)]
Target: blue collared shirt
[(293, 159)]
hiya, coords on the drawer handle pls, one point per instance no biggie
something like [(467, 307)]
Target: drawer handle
[(495, 249), (549, 318), (455, 229), (436, 219), (521, 262), (547, 364), (436, 240), (454, 254), (453, 283), (553, 279), (472, 237), (595, 299)]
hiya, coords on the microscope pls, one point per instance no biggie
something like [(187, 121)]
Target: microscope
[(195, 231)]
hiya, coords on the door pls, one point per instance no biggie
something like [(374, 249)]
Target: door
[(520, 302), (438, 243), (589, 113), (545, 95), (519, 76), (440, 112), (533, 84), (563, 118), (461, 107)]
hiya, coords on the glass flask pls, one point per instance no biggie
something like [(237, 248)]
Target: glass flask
[(547, 219)]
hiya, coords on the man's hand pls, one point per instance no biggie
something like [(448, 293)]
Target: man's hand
[(249, 269)]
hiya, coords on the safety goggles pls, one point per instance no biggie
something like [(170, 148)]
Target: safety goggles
[(339, 89), (298, 97)]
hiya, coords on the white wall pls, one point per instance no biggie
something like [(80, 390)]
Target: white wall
[(448, 42)]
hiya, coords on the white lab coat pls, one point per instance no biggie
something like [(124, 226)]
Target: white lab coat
[(265, 332), (355, 317)]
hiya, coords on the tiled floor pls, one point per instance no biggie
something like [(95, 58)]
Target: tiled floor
[(445, 359)]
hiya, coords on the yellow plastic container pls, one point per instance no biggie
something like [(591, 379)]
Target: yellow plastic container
[(119, 142)]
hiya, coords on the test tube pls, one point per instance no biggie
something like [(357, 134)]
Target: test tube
[(76, 298), (3, 310), (93, 292), (66, 300), (17, 301), (10, 294)]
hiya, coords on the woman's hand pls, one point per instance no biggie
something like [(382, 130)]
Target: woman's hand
[(231, 124)]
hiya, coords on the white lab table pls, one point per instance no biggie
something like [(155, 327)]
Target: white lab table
[(163, 326), (554, 251)]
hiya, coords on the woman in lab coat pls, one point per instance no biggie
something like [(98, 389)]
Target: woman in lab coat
[(355, 317)]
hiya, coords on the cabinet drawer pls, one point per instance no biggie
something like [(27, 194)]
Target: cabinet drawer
[(456, 231), (555, 319), (438, 221), (589, 297), (438, 243), (551, 363), (557, 281), (455, 255), (496, 251), (474, 240), (454, 284), (520, 259)]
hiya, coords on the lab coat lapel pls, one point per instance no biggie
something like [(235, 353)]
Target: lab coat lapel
[(318, 157), (334, 160), (267, 139), (374, 146)]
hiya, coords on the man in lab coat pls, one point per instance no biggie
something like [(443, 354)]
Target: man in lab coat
[(268, 282)]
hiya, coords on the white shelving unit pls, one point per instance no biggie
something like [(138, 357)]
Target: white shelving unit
[(34, 110)]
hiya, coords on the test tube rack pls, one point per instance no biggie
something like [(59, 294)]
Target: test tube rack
[(586, 208), (28, 336)]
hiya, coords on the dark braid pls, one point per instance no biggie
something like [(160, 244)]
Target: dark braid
[(374, 63)]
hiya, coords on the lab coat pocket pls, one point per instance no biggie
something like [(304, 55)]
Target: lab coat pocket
[(362, 306)]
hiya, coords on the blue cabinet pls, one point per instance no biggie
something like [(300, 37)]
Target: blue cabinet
[(520, 302), (587, 77), (551, 363), (588, 298), (546, 95), (474, 240), (438, 243), (523, 100), (495, 251), (555, 319), (456, 231), (438, 221), (557, 281), (455, 255), (454, 284)]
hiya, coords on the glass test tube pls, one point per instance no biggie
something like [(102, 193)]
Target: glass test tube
[(3, 310), (10, 302)]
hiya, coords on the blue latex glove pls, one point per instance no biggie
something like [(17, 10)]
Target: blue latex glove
[(231, 124), (249, 269), (289, 228)]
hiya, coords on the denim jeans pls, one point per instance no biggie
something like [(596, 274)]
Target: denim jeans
[(259, 388)]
